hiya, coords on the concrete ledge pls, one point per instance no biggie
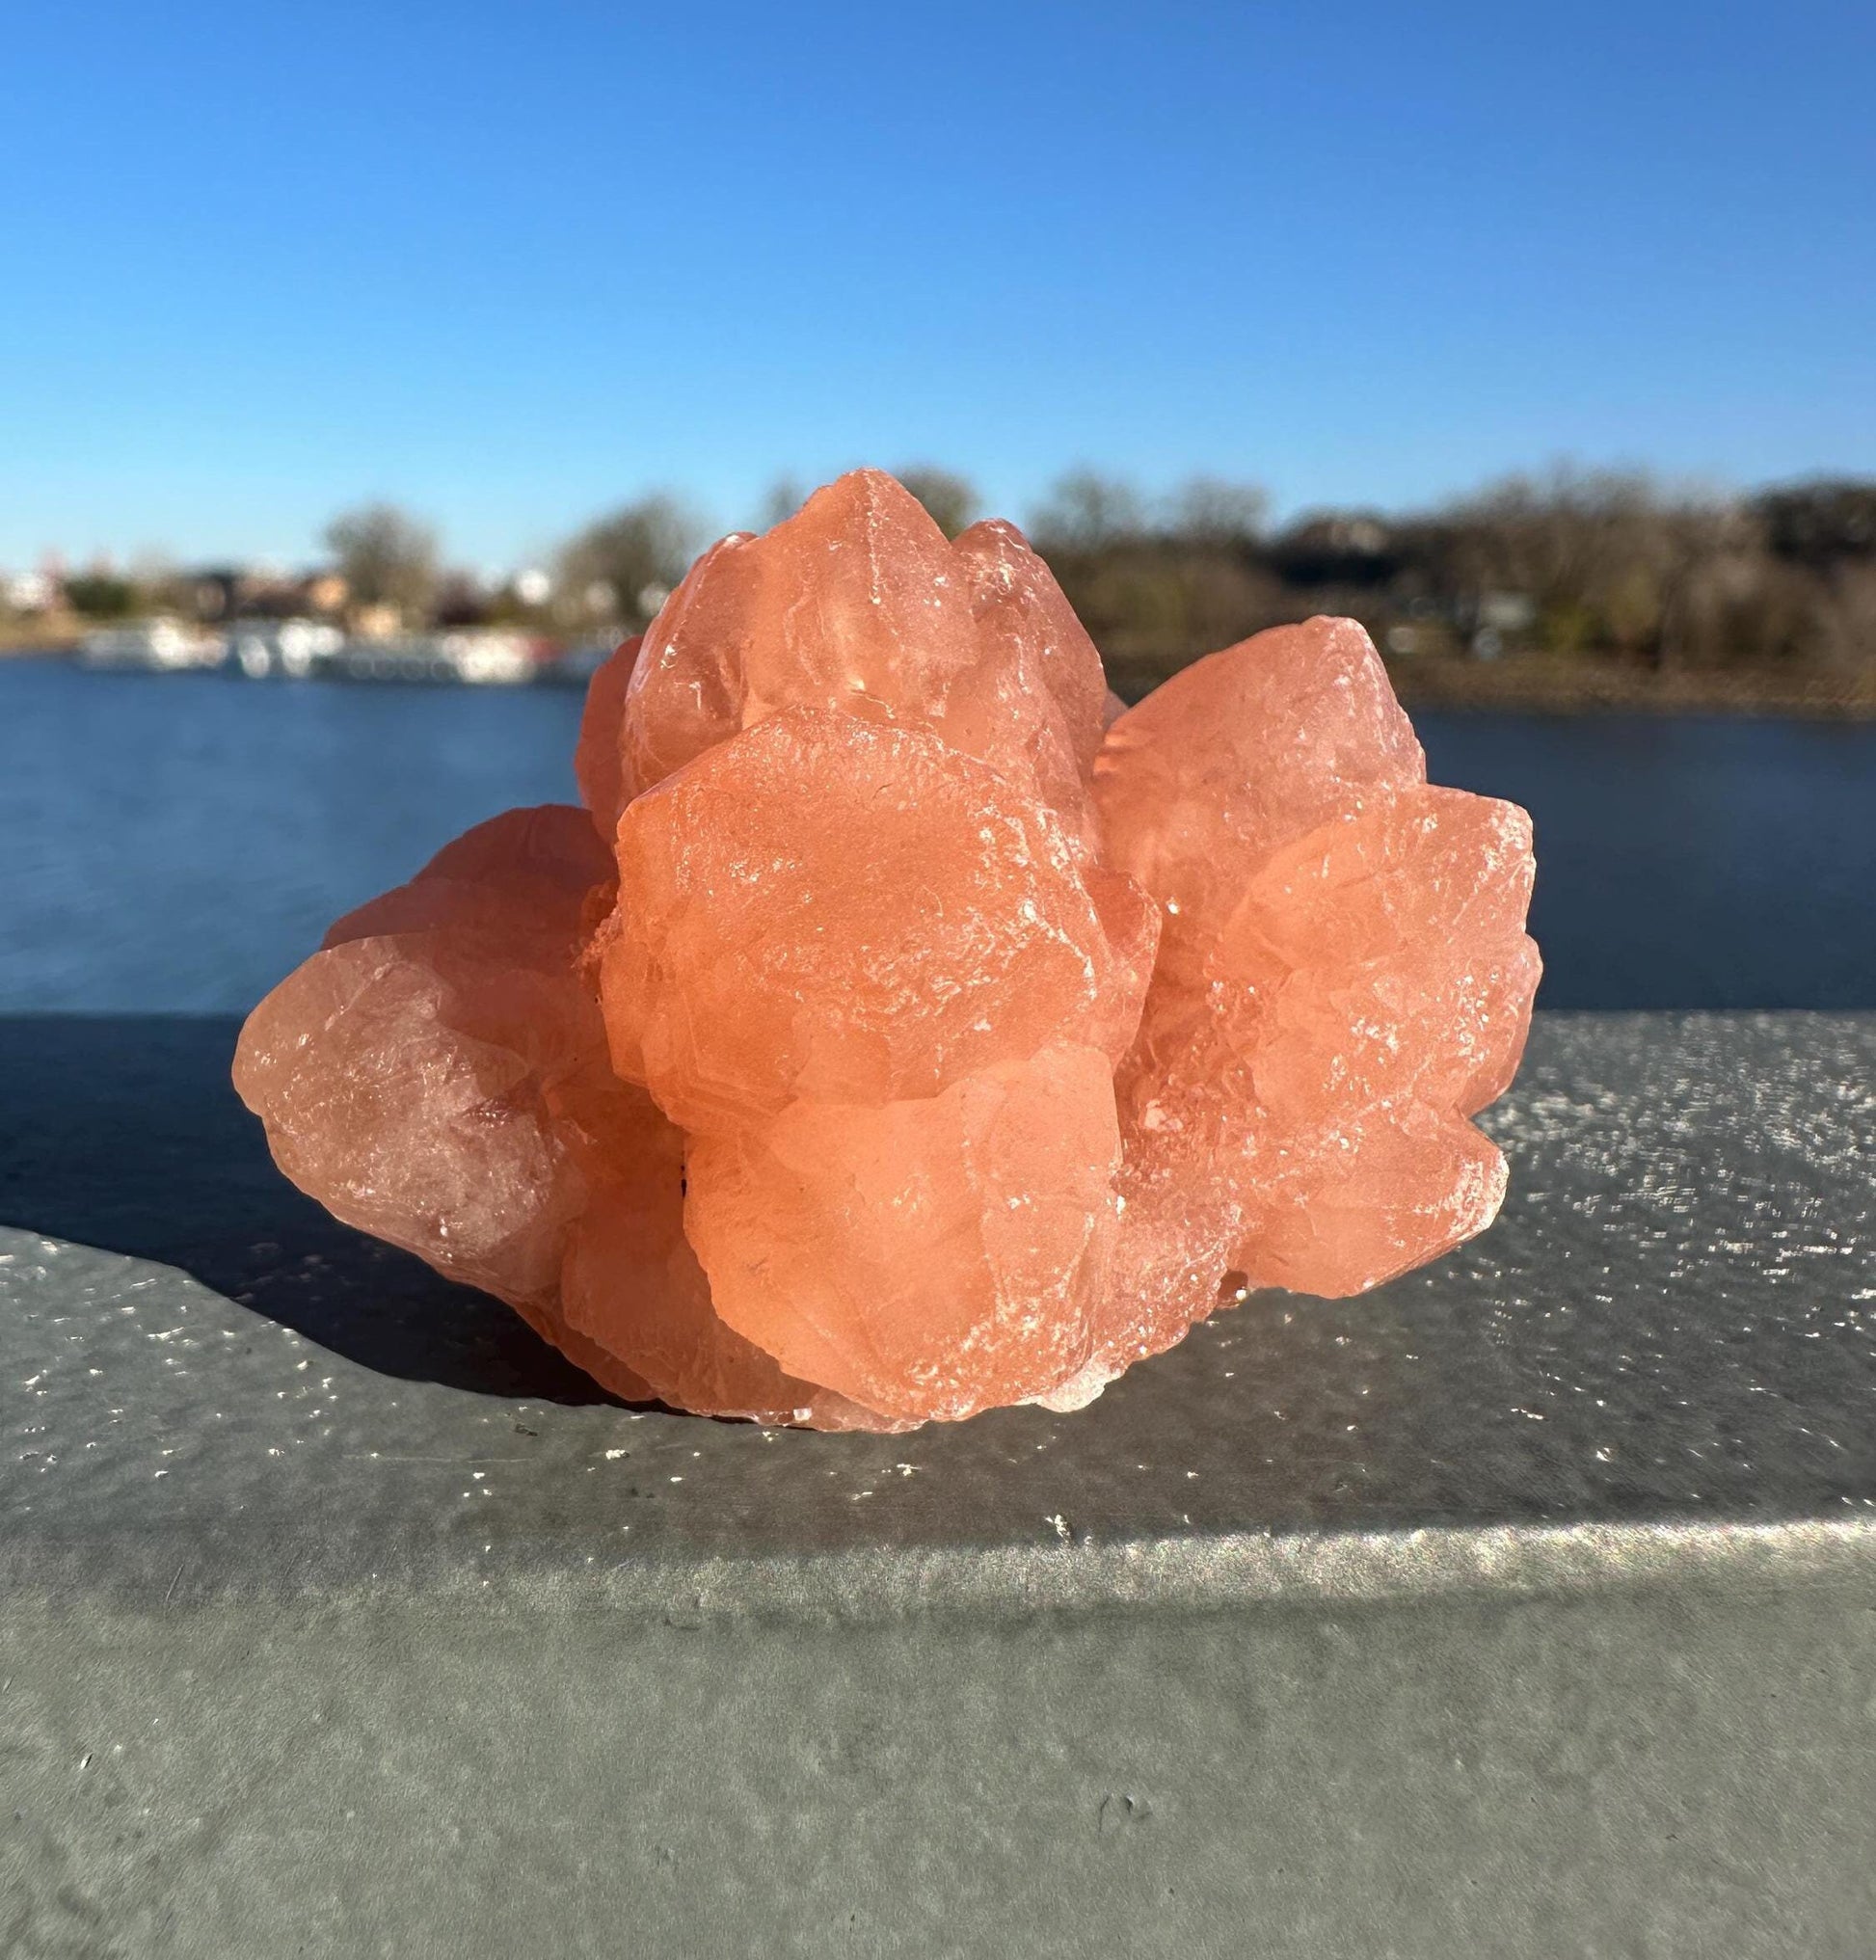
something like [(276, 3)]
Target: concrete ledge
[(1526, 1605)]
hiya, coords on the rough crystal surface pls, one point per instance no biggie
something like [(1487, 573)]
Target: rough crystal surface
[(598, 763), (417, 1072), (1241, 752), (858, 604), (929, 1256), (848, 911), (906, 1027)]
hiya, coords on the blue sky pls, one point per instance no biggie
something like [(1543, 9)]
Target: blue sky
[(512, 263)]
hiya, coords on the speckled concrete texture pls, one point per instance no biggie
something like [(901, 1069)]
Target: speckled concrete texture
[(1525, 1605)]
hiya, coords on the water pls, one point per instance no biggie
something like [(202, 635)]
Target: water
[(176, 843)]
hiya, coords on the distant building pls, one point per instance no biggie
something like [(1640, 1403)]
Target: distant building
[(1336, 549), (379, 621), (214, 592), (219, 593), (29, 591)]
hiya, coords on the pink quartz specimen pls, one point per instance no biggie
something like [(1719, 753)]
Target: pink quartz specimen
[(905, 1027)]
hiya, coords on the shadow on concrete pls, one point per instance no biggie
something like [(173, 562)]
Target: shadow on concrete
[(124, 1132)]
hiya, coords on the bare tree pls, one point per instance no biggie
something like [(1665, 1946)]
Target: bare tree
[(1087, 512), (1821, 523), (1841, 628), (1612, 563), (1214, 511), (949, 499), (783, 499), (620, 569), (386, 557)]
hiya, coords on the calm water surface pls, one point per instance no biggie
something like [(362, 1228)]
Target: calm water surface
[(176, 843)]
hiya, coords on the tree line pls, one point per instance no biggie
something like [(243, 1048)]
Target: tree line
[(1569, 564)]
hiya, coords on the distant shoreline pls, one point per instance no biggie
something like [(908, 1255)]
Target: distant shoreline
[(1813, 698), (1534, 684), (1541, 684)]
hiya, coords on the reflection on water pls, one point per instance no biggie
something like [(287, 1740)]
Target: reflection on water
[(176, 841)]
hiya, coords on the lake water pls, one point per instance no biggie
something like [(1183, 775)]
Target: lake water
[(175, 843)]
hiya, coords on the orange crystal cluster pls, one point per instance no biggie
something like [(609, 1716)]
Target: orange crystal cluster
[(902, 1029)]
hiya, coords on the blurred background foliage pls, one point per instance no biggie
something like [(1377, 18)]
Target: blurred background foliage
[(1571, 581)]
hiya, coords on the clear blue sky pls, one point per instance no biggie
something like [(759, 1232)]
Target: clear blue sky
[(511, 262)]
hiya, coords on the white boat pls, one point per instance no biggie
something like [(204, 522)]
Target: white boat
[(291, 647), (415, 657), (152, 645), (490, 659), (495, 660)]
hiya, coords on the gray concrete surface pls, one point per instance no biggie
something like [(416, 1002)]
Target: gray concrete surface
[(1526, 1606)]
